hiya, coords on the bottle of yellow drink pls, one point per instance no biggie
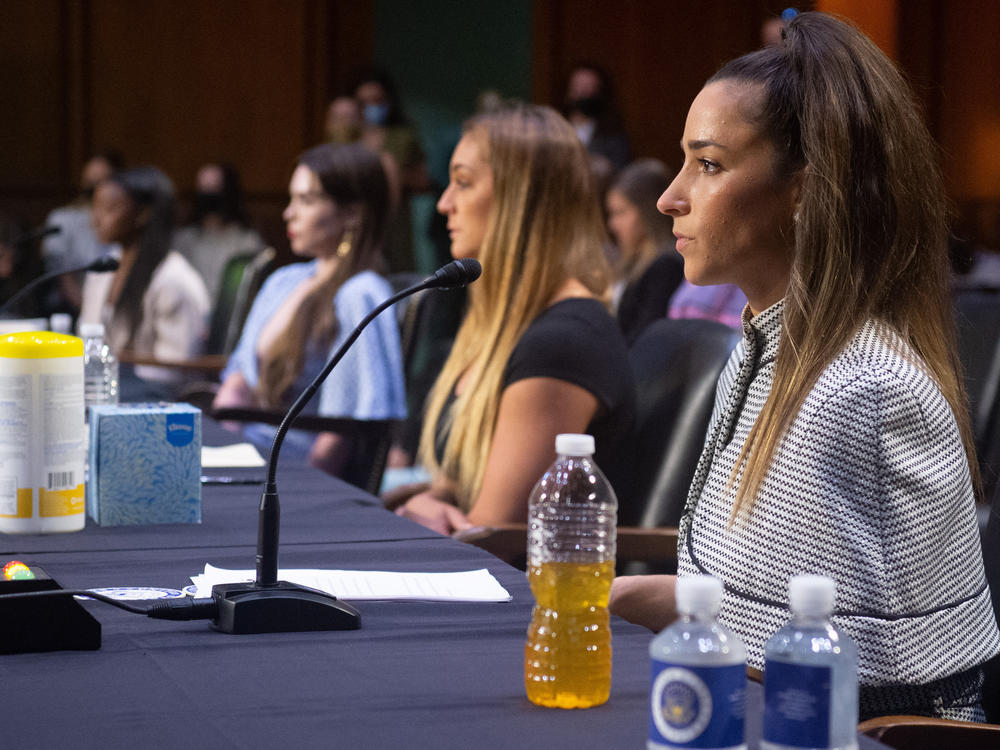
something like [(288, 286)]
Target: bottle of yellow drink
[(571, 562)]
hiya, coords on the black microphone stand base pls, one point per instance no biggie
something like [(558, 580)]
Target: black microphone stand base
[(280, 608)]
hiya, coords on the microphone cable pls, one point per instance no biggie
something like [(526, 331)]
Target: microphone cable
[(158, 609)]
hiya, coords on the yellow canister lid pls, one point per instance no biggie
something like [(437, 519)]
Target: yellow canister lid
[(40, 345)]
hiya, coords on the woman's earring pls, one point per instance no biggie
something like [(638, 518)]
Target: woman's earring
[(344, 248)]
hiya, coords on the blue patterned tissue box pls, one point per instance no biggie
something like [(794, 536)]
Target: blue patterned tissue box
[(145, 464)]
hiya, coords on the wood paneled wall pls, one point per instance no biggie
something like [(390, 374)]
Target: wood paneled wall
[(175, 83), (180, 82), (658, 54)]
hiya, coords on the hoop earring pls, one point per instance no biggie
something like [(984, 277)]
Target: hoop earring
[(344, 248)]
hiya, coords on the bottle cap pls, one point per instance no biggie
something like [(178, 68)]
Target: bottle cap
[(90, 330), (569, 444), (698, 594), (811, 595), (61, 322)]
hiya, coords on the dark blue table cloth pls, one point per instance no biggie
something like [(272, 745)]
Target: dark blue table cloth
[(416, 675)]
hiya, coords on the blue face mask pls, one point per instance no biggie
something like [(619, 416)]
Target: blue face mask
[(376, 114)]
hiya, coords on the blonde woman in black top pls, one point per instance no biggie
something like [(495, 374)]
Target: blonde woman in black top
[(538, 353)]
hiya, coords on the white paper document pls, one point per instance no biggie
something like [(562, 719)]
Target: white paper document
[(360, 585), (240, 455)]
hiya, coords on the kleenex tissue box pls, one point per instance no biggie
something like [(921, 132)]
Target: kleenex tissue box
[(145, 464)]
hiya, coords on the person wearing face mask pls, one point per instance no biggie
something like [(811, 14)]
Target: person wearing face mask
[(338, 203), (591, 109), (344, 124), (217, 229), (385, 129), (840, 443)]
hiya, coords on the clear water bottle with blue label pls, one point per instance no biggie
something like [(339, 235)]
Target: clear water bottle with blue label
[(810, 675), (698, 689)]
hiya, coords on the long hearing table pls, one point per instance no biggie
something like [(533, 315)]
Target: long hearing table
[(417, 674)]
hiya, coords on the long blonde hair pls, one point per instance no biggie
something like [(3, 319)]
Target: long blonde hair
[(544, 228), (871, 226), (349, 174)]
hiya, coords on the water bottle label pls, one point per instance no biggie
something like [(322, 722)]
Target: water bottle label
[(797, 704), (697, 707)]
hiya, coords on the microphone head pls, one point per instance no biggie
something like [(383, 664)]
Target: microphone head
[(455, 274), (105, 263), (36, 234)]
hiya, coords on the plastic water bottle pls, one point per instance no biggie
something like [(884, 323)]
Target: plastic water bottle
[(571, 563), (100, 369), (810, 675), (697, 695)]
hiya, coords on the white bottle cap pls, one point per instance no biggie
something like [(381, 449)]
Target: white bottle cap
[(695, 594), (89, 330), (60, 322), (569, 444), (811, 595)]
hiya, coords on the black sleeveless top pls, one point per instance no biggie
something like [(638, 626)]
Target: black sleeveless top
[(578, 341)]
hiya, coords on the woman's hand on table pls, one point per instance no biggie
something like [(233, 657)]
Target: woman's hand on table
[(430, 510), (645, 600)]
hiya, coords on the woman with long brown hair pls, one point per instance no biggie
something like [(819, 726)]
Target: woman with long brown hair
[(537, 353), (155, 304), (336, 214), (840, 444), (648, 270)]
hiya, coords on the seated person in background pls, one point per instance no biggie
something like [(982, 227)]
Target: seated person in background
[(590, 106), (20, 263), (75, 244), (386, 129), (336, 215), (218, 229), (840, 443), (538, 353), (344, 125), (155, 304), (649, 268)]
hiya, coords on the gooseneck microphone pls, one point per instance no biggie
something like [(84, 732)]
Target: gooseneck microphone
[(103, 264), (36, 234), (268, 605)]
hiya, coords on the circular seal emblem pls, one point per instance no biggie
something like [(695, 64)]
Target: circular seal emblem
[(681, 704)]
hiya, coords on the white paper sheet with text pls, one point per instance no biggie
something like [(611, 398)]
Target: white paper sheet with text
[(360, 585)]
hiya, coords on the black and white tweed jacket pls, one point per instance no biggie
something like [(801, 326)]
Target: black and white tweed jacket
[(870, 486)]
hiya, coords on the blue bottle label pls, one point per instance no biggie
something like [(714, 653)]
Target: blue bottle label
[(797, 704), (697, 707)]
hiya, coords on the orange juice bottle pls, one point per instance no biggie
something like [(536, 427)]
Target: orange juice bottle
[(571, 562)]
